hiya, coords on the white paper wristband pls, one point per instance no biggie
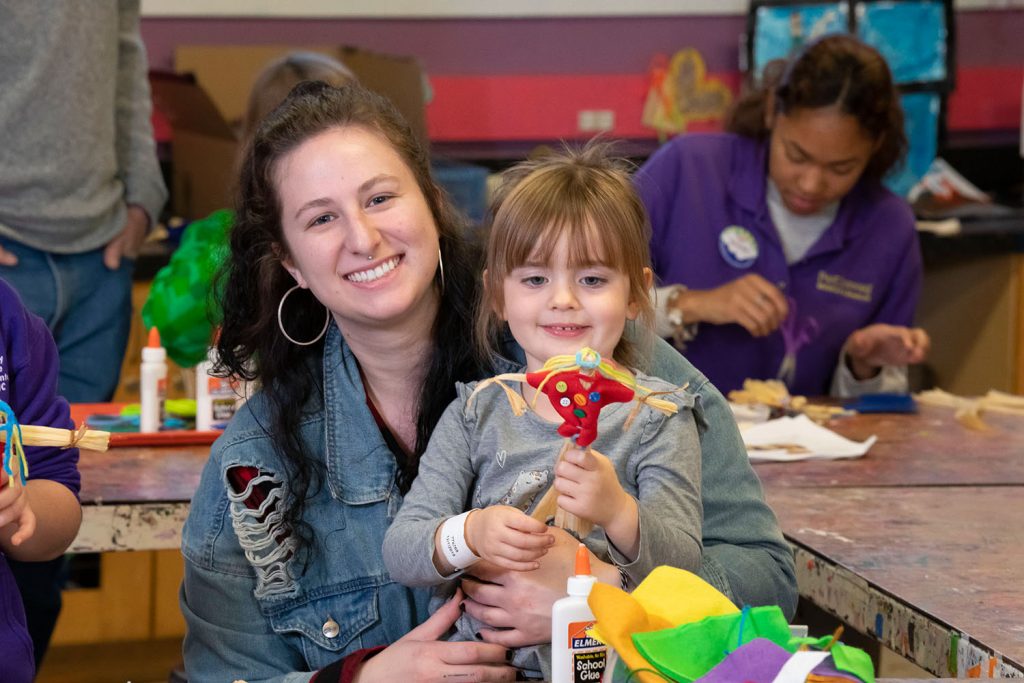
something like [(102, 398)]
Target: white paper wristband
[(453, 542)]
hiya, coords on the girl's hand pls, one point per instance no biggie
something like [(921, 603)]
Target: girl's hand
[(420, 656), (589, 487), (15, 508), (871, 347), (750, 301), (591, 490), (517, 605), (507, 537)]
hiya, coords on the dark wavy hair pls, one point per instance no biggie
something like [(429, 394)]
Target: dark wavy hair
[(253, 281), (837, 70)]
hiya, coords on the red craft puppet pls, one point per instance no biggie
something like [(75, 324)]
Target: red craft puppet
[(578, 387)]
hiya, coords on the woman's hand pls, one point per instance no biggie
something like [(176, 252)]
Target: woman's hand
[(871, 347), (507, 537), (517, 605), (420, 656), (750, 301)]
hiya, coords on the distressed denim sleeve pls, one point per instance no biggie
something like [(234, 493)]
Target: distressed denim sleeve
[(228, 637), (745, 555)]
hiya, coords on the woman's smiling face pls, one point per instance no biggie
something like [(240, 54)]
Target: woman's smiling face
[(357, 229)]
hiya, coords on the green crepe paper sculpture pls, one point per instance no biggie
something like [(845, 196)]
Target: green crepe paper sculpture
[(182, 301)]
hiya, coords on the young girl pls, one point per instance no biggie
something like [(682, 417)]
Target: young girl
[(567, 268)]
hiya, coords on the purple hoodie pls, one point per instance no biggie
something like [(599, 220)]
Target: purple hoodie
[(28, 383), (711, 225)]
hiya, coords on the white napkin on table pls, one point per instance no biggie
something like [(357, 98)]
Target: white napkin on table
[(798, 438)]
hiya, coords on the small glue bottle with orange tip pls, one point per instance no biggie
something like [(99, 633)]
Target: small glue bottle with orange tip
[(152, 384), (575, 656)]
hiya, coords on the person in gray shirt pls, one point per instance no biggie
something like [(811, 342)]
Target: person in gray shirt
[(567, 269), (80, 184)]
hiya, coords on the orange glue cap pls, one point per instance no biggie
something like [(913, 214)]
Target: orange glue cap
[(154, 338), (582, 561)]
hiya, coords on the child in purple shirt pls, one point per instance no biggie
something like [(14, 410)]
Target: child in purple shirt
[(39, 520), (784, 254)]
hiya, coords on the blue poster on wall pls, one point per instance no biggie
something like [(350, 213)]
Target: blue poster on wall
[(921, 112), (911, 36), (783, 29)]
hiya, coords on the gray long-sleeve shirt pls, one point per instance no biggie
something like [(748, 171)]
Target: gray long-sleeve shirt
[(75, 133), (487, 456)]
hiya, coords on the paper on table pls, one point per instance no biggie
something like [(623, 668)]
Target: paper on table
[(798, 438)]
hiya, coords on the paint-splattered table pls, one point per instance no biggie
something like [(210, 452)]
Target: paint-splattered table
[(137, 498), (935, 573), (925, 449)]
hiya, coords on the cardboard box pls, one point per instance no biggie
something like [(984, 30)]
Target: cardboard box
[(206, 100), (203, 146)]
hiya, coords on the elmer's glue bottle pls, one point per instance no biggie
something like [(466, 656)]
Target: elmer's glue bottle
[(217, 398), (152, 384), (575, 656)]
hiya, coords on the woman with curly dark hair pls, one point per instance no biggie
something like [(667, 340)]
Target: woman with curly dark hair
[(349, 298), (783, 255)]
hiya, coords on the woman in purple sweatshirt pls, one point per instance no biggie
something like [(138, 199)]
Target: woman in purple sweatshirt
[(782, 254), (39, 520)]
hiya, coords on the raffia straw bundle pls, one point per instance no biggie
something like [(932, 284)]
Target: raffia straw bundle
[(32, 435)]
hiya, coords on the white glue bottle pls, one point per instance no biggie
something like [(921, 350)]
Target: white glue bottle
[(152, 384), (575, 656), (217, 398)]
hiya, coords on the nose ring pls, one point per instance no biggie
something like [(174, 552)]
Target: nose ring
[(370, 257)]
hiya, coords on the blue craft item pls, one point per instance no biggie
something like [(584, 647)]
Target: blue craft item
[(882, 403), (9, 427), (130, 422)]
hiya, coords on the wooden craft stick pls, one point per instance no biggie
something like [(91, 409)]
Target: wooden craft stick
[(32, 435), (548, 505)]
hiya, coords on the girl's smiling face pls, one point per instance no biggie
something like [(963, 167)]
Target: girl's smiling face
[(556, 307), (358, 231)]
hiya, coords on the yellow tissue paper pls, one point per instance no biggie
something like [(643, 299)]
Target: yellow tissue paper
[(668, 597)]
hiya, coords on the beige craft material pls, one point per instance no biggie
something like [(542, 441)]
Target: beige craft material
[(90, 439), (969, 409), (774, 394)]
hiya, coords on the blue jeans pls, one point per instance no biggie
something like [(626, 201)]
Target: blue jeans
[(87, 307)]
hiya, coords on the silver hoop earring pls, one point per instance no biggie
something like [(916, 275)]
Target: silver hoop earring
[(440, 267), (280, 323)]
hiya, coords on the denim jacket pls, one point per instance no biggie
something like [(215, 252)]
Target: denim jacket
[(254, 612), (253, 615)]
